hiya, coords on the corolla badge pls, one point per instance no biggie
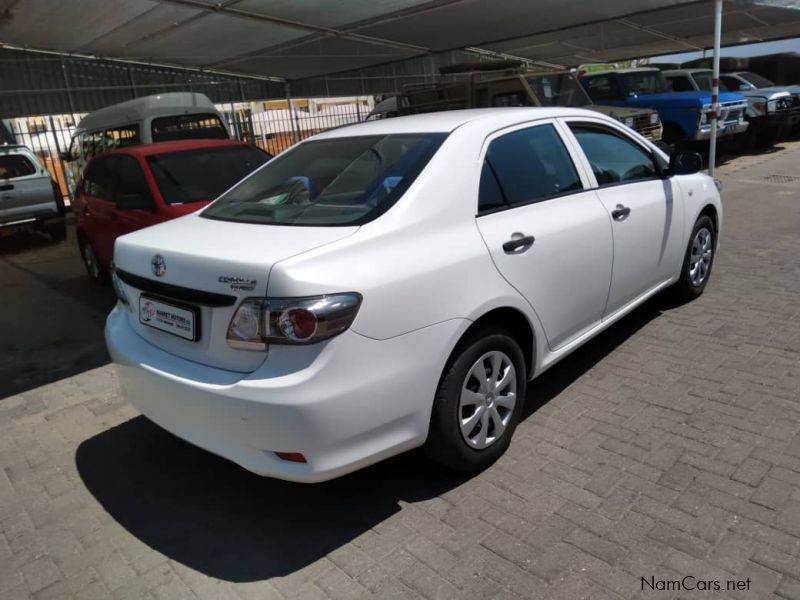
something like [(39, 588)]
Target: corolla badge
[(158, 265)]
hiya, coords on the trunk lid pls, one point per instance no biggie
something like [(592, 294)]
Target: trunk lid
[(208, 267)]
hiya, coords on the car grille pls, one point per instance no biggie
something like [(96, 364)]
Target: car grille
[(641, 123), (730, 113)]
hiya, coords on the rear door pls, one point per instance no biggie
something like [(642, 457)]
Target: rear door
[(646, 210), (548, 234), (98, 209), (129, 180)]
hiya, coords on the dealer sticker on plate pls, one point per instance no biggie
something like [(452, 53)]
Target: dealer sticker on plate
[(168, 317)]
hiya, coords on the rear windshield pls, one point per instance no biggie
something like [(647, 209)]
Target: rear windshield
[(15, 165), (204, 173), (188, 127), (645, 82), (342, 181)]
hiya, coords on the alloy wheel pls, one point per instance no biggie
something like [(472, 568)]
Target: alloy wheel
[(700, 258)]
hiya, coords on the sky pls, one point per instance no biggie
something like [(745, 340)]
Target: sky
[(792, 45)]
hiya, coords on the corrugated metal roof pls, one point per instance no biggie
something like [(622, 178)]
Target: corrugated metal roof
[(295, 40)]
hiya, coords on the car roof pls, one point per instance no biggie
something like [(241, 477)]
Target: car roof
[(157, 105), (678, 71), (13, 147), (173, 146), (447, 121)]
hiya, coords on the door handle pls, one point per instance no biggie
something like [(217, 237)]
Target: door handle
[(518, 245), (620, 213)]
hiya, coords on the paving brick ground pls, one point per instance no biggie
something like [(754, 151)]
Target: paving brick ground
[(668, 447)]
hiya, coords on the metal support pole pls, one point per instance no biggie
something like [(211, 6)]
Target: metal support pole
[(712, 151), (292, 114)]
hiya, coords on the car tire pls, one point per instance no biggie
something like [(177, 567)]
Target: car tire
[(458, 439), (698, 261), (94, 269), (57, 232)]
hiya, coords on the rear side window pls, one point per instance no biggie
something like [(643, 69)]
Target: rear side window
[(99, 180), (130, 180), (203, 174), (338, 181), (188, 127), (613, 158), (15, 165), (121, 137), (531, 165), (490, 196)]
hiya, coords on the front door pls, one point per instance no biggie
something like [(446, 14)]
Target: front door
[(549, 237)]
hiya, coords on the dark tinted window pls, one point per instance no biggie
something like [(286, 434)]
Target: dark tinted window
[(489, 194), (339, 181), (601, 87), (732, 83), (645, 82), (532, 164), (613, 158), (757, 80), (120, 137), (99, 179), (681, 83), (703, 81), (203, 174), (186, 127), (130, 179), (511, 99), (15, 165), (558, 89)]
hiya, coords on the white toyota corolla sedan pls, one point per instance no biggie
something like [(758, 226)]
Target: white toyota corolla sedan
[(398, 283)]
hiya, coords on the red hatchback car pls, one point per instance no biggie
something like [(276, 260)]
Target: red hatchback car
[(135, 187)]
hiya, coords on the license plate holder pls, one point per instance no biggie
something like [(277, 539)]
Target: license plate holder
[(180, 320)]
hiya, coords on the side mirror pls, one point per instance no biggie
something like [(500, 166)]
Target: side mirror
[(134, 202), (685, 163), (65, 156)]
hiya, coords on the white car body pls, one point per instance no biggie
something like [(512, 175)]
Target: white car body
[(427, 269)]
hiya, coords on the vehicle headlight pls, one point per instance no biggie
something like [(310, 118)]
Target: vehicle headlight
[(759, 107), (654, 118), (259, 322), (628, 122)]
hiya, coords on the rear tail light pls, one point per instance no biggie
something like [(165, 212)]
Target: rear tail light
[(259, 322), (291, 456)]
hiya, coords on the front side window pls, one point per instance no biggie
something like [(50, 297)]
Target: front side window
[(15, 165), (645, 82), (613, 158), (530, 165), (340, 181), (188, 127), (204, 173)]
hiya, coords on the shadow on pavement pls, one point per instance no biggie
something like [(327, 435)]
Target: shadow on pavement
[(217, 518)]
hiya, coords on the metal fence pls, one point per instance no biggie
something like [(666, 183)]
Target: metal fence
[(272, 125)]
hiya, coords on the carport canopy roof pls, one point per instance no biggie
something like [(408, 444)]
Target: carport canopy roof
[(297, 39)]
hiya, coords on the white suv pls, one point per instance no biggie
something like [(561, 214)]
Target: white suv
[(397, 283)]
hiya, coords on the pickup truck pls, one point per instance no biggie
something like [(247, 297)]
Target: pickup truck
[(685, 115), (29, 197), (481, 90), (769, 110), (753, 84)]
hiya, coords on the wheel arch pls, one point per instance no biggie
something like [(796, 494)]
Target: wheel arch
[(710, 211), (518, 326)]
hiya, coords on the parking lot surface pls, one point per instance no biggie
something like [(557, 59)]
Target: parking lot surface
[(668, 446)]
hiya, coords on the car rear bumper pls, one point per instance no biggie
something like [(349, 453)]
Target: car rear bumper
[(344, 403)]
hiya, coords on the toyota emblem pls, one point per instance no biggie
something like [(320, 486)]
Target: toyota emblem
[(158, 265)]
